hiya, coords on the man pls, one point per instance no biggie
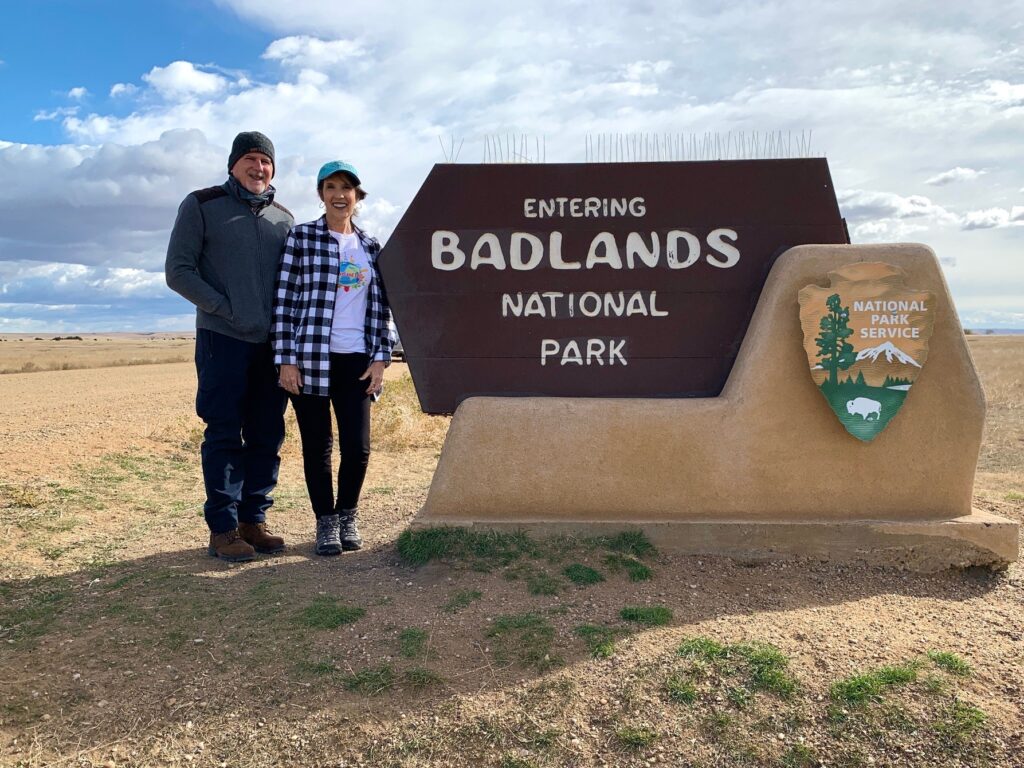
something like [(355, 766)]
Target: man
[(223, 257)]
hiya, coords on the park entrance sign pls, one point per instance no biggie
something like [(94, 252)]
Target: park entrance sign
[(593, 280), (621, 348)]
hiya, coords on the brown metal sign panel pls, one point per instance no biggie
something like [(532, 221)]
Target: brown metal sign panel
[(593, 280)]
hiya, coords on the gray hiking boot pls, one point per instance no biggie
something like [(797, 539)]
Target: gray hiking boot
[(328, 531), (350, 538)]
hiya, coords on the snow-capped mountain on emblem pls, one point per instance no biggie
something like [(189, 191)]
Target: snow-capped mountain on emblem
[(866, 339), (892, 354)]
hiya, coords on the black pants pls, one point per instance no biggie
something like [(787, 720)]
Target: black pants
[(243, 408), (352, 411)]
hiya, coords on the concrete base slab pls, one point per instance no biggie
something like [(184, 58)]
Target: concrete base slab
[(977, 539)]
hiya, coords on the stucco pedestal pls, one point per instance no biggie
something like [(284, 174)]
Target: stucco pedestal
[(763, 470)]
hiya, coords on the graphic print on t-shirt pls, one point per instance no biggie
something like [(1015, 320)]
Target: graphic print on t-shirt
[(351, 276), (348, 321)]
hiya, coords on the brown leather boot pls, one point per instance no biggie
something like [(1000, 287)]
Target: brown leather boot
[(261, 538), (230, 546)]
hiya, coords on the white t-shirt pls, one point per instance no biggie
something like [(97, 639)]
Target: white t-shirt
[(349, 321)]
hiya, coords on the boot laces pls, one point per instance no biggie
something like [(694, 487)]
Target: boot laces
[(326, 526)]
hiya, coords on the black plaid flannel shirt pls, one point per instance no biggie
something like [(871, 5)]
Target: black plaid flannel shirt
[(307, 283)]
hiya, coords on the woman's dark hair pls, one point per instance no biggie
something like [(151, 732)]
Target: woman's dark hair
[(360, 192)]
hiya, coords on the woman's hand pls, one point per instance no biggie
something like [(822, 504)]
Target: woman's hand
[(290, 379), (375, 373)]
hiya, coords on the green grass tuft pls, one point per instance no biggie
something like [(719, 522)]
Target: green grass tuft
[(600, 641), (525, 638), (582, 575), (629, 543), (856, 689), (898, 675), (461, 599), (306, 668), (487, 549), (958, 724), (412, 643), (636, 570), (680, 689), (647, 615), (950, 662), (935, 684), (421, 677), (799, 756), (702, 648), (636, 736), (768, 669), (774, 681), (739, 696), (542, 583), (421, 546), (860, 689), (326, 613), (371, 681), (766, 666), (538, 581), (717, 724), (30, 617)]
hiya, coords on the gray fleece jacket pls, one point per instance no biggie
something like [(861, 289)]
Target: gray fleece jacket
[(223, 258)]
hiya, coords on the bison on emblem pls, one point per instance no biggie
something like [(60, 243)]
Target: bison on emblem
[(864, 407)]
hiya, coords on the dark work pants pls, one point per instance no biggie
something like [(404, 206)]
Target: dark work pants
[(352, 411), (243, 408)]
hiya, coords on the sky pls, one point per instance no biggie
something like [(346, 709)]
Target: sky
[(113, 110)]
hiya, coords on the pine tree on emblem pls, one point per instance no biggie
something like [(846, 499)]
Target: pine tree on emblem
[(835, 351)]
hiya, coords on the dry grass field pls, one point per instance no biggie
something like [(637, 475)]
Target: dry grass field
[(123, 644), (27, 353)]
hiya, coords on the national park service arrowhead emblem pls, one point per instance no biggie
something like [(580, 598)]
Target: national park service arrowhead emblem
[(866, 338)]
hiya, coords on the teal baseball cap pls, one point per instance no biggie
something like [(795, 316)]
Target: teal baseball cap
[(337, 166)]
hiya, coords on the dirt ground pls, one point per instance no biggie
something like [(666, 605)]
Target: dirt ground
[(123, 643)]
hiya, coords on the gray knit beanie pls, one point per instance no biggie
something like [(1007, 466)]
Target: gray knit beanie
[(251, 141)]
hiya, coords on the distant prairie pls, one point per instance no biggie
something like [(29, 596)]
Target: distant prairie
[(28, 352)]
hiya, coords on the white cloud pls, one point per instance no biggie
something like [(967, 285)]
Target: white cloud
[(1005, 94), (183, 80), (640, 70), (991, 218), (305, 52), (871, 206), (56, 296), (954, 174), (115, 203), (122, 89), (887, 217), (54, 114), (620, 88), (78, 93), (79, 284)]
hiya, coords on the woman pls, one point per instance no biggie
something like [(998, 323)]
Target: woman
[(332, 342)]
